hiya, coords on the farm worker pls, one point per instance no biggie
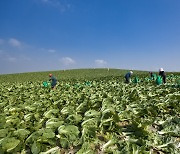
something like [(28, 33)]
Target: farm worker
[(53, 81), (152, 75), (162, 74), (159, 80), (128, 76)]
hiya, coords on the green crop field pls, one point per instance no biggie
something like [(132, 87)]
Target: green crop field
[(91, 111)]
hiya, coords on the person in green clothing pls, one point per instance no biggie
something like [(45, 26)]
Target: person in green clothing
[(53, 81)]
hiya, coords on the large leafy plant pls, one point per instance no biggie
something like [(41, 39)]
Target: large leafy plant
[(102, 115)]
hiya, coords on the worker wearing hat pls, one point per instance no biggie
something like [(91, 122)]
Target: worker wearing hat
[(162, 74), (128, 76), (53, 81)]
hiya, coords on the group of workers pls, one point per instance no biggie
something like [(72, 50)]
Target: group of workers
[(127, 77), (161, 73)]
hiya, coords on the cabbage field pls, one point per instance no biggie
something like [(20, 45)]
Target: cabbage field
[(89, 112)]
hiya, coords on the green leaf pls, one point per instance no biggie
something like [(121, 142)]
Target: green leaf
[(54, 150), (34, 136), (64, 142), (88, 133), (68, 135), (9, 144), (67, 110), (86, 149), (3, 132), (92, 113), (50, 113), (110, 142), (48, 133), (36, 148), (74, 118), (27, 117), (90, 122), (22, 133), (53, 124), (68, 130)]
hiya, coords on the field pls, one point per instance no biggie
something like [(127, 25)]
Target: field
[(91, 111)]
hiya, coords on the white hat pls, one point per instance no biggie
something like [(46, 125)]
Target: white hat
[(131, 72), (161, 69)]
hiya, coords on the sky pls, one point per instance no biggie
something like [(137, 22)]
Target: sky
[(45, 35)]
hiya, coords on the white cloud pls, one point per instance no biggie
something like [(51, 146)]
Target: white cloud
[(51, 50), (51, 2), (61, 5), (11, 59), (67, 61), (25, 58), (100, 62), (5, 56), (14, 42), (1, 41)]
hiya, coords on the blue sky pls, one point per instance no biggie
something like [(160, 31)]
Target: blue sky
[(42, 35)]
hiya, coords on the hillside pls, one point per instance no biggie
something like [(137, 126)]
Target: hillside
[(75, 74)]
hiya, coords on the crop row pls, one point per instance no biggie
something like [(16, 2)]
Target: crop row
[(96, 116)]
